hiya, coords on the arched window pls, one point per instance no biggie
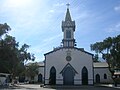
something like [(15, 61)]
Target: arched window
[(97, 78), (84, 76), (52, 78), (68, 34), (105, 76), (40, 78)]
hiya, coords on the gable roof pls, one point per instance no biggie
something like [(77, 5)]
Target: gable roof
[(100, 65), (40, 64), (59, 48), (68, 65)]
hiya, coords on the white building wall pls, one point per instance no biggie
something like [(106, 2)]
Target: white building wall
[(41, 71), (79, 60), (56, 60), (101, 71)]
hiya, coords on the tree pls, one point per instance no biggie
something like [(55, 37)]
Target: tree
[(110, 50), (32, 70), (95, 58), (24, 55), (12, 56), (4, 28)]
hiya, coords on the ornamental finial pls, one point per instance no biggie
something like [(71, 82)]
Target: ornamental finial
[(68, 5)]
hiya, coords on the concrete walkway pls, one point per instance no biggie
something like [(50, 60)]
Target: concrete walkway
[(47, 87), (109, 85), (86, 87)]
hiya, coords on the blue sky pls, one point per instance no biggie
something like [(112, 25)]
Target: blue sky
[(38, 22)]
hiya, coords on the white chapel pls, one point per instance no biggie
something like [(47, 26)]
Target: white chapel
[(70, 65)]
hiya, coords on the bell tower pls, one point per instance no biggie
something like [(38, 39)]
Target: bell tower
[(68, 28)]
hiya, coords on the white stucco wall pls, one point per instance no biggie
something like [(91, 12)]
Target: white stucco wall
[(41, 71), (79, 60), (101, 71)]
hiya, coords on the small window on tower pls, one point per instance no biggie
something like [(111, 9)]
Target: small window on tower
[(68, 34)]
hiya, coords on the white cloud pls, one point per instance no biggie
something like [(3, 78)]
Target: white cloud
[(57, 8), (38, 51), (82, 15), (59, 4), (114, 28), (25, 18), (43, 47), (16, 3), (48, 40), (118, 25), (117, 8), (51, 11)]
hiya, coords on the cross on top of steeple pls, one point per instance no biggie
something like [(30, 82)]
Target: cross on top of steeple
[(68, 5), (68, 17)]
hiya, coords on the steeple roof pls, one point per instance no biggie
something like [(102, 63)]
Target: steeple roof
[(68, 20), (68, 17)]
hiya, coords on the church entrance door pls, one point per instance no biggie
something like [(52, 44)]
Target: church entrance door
[(68, 76), (84, 76)]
